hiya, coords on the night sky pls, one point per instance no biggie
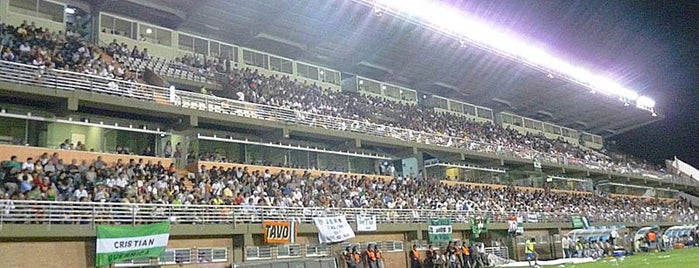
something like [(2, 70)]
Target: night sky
[(651, 47)]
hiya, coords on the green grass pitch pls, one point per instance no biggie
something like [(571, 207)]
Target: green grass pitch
[(680, 258)]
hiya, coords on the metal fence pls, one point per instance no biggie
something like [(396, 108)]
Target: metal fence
[(93, 213), (70, 81)]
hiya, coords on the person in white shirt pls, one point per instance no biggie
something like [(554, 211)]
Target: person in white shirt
[(24, 48), (80, 193), (29, 165), (565, 245)]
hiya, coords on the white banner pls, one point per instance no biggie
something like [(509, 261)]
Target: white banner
[(685, 168), (366, 223), (333, 229)]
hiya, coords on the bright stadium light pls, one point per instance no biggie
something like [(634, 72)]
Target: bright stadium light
[(465, 29), (645, 102)]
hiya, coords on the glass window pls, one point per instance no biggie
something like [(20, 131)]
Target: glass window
[(255, 59), (557, 130), (229, 52), (207, 255), (116, 26), (548, 128), (201, 46), (214, 48), (574, 134), (507, 119), (39, 8), (517, 120), (124, 28), (155, 35), (280, 65), (288, 251), (317, 250), (330, 76), (409, 95), (597, 139), (307, 71), (163, 37), (469, 109), (456, 106), (485, 113), (394, 246), (369, 86), (528, 123), (55, 12), (185, 42), (392, 92), (440, 102), (176, 256), (539, 125), (28, 5)]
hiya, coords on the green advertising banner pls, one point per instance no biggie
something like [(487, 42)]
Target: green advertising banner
[(579, 222), (439, 230), (478, 226), (115, 243)]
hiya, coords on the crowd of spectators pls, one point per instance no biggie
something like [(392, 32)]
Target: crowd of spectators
[(69, 51), (138, 181), (283, 91), (33, 45)]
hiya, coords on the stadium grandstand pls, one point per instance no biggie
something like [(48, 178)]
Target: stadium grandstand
[(232, 120)]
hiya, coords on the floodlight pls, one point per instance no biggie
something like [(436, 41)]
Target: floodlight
[(149, 31), (454, 23), (69, 10), (645, 102)]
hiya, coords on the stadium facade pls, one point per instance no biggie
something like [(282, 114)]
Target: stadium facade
[(181, 106)]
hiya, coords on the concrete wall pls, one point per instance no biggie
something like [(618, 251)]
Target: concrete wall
[(47, 254), (23, 152)]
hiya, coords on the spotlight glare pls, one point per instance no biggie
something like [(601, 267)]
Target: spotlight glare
[(452, 22)]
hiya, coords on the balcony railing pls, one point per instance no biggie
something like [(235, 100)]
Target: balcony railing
[(70, 81), (94, 213)]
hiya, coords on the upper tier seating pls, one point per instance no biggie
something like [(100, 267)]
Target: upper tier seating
[(416, 123)]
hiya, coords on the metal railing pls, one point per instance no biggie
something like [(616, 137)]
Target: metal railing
[(94, 213), (63, 80)]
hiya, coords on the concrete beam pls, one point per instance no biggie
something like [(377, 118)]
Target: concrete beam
[(72, 104), (154, 5)]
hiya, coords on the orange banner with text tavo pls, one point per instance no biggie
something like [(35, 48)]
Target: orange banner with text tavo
[(279, 232)]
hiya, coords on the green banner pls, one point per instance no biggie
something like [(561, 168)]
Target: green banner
[(577, 222), (439, 230), (115, 243), (478, 226)]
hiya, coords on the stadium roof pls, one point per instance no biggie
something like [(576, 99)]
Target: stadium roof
[(348, 36)]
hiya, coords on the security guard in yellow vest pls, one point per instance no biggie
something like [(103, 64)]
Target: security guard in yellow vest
[(530, 252)]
